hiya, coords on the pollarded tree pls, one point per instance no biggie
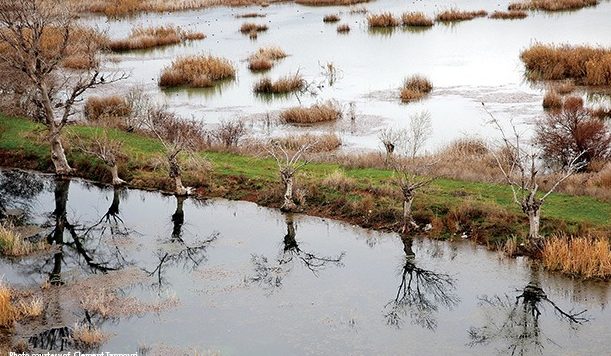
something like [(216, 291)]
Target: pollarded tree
[(289, 163), (409, 183), (105, 149), (518, 161), (36, 39), (177, 136)]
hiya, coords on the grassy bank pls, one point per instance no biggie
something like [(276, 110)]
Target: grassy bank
[(363, 196)]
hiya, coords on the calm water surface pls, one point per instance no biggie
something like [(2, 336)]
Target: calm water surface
[(250, 280), (468, 62)]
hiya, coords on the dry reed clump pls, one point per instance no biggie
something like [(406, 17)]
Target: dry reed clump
[(12, 244), (509, 15), (329, 2), (584, 256), (458, 15), (88, 337), (318, 143), (565, 87), (583, 64), (150, 37), (31, 308), (196, 71), (552, 100), (250, 27), (264, 58), (552, 5), (330, 18), (325, 112), (385, 19), (286, 84), (249, 15), (98, 108), (343, 28), (415, 88), (8, 312), (339, 181), (416, 19)]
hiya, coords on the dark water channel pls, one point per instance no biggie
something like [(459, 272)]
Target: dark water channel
[(250, 280)]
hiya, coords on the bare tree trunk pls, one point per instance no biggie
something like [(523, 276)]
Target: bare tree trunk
[(534, 220), (179, 189), (408, 220), (114, 170), (58, 156), (287, 180)]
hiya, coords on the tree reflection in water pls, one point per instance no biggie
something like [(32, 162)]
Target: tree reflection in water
[(17, 190), (177, 251), (420, 294), (514, 323), (270, 275)]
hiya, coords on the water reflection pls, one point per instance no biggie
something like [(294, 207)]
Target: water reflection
[(515, 323), (269, 275), (176, 251), (420, 293), (17, 190)]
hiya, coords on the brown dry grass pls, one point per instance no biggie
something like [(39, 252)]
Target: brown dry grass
[(416, 19), (331, 18), (325, 112), (415, 88), (319, 143), (249, 15), (196, 71), (88, 337), (552, 100), (339, 181), (509, 15), (343, 28), (150, 37), (31, 308), (8, 312), (97, 108), (250, 27), (283, 85), (552, 5), (585, 256), (565, 87), (329, 2), (12, 244), (385, 19), (454, 15), (583, 64), (263, 59)]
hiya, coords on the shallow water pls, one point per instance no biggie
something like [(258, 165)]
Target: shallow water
[(468, 62), (250, 280)]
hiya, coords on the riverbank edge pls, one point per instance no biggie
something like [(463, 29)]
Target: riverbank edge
[(370, 203)]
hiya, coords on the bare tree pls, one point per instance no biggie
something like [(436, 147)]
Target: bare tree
[(409, 183), (106, 149), (518, 162), (288, 164), (28, 50), (177, 136), (408, 141), (229, 133)]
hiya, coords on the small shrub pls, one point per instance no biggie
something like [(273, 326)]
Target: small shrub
[(286, 84), (416, 19), (97, 108), (343, 28), (316, 113), (196, 71), (229, 133), (249, 27), (551, 100), (385, 19), (415, 88), (509, 15), (330, 18), (458, 15)]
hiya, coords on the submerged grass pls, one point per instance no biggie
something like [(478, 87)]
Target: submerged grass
[(151, 37), (455, 15), (283, 85), (316, 113), (415, 88), (509, 15), (418, 19), (552, 5), (385, 19)]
